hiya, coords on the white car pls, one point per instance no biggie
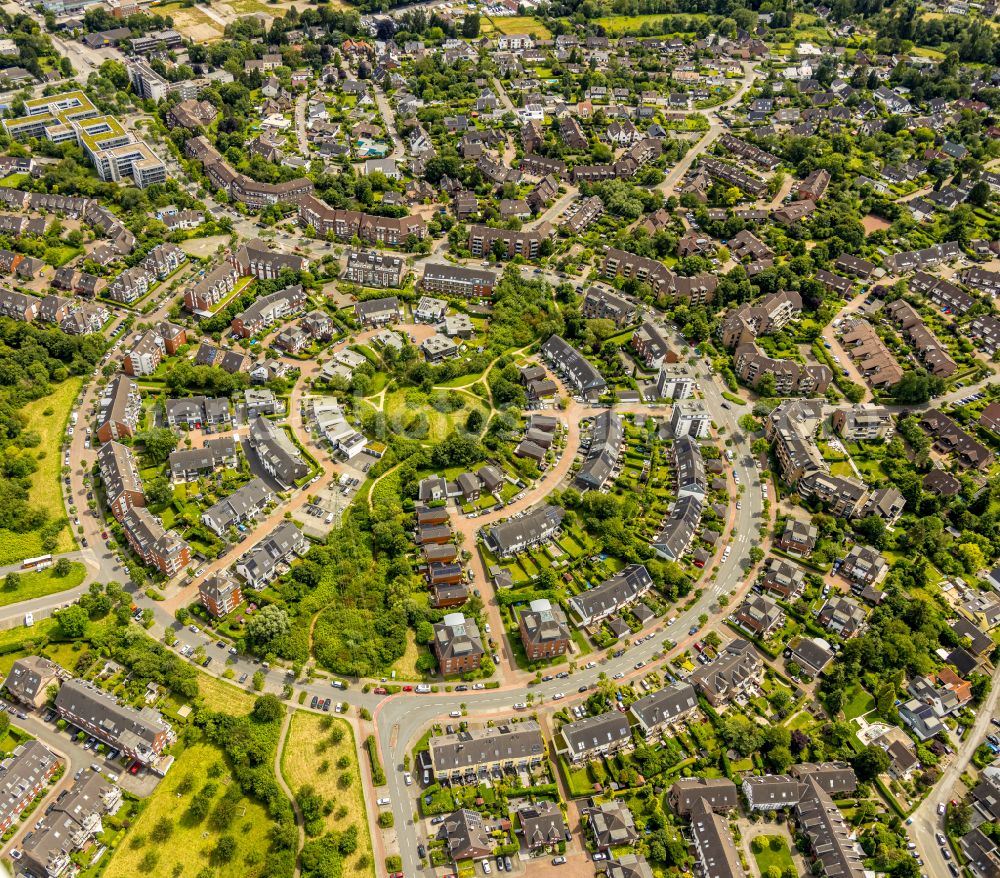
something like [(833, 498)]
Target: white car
[(407, 778), (619, 675), (385, 800), (520, 705), (486, 867), (941, 807), (558, 696)]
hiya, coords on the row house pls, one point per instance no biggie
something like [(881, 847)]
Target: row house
[(595, 737), (748, 151), (771, 314), (942, 293), (581, 374), (501, 748), (735, 671), (611, 596), (951, 438), (655, 714), (266, 560)]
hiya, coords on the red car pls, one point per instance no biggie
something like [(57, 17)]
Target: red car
[(135, 768), (379, 690), (407, 688)]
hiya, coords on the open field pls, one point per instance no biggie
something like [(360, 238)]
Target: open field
[(624, 24), (192, 842), (309, 747), (224, 696), (518, 24), (48, 417), (406, 666), (192, 22), (405, 415), (41, 583)]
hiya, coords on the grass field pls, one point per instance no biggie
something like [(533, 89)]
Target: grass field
[(518, 24), (308, 748), (402, 414), (191, 843), (15, 181), (48, 417), (228, 698), (37, 585), (623, 24), (782, 857), (406, 666)]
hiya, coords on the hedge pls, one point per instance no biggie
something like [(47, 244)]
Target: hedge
[(378, 774)]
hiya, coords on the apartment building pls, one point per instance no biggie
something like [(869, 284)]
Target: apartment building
[(147, 354), (771, 314), (268, 310), (346, 224), (277, 453), (24, 774), (457, 280), (752, 365), (257, 259), (29, 680), (120, 407), (120, 478), (698, 290), (601, 303), (690, 419), (156, 546), (485, 240), (370, 268), (238, 186), (651, 345), (220, 595), (457, 645), (138, 734), (544, 632), (864, 422), (203, 296)]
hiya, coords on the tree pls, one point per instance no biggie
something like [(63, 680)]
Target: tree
[(870, 762), (773, 871), (470, 26), (756, 554), (159, 491), (158, 443), (979, 194), (63, 567), (12, 581), (474, 421), (268, 709), (267, 625), (959, 819), (72, 621), (767, 385), (258, 681), (225, 849)]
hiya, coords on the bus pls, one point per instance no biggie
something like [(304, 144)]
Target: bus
[(39, 563)]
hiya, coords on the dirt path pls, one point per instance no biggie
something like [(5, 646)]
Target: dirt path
[(299, 821)]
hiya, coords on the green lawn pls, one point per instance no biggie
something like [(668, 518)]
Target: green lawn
[(520, 24), (857, 702), (615, 24), (778, 855), (48, 417), (37, 585), (15, 181)]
